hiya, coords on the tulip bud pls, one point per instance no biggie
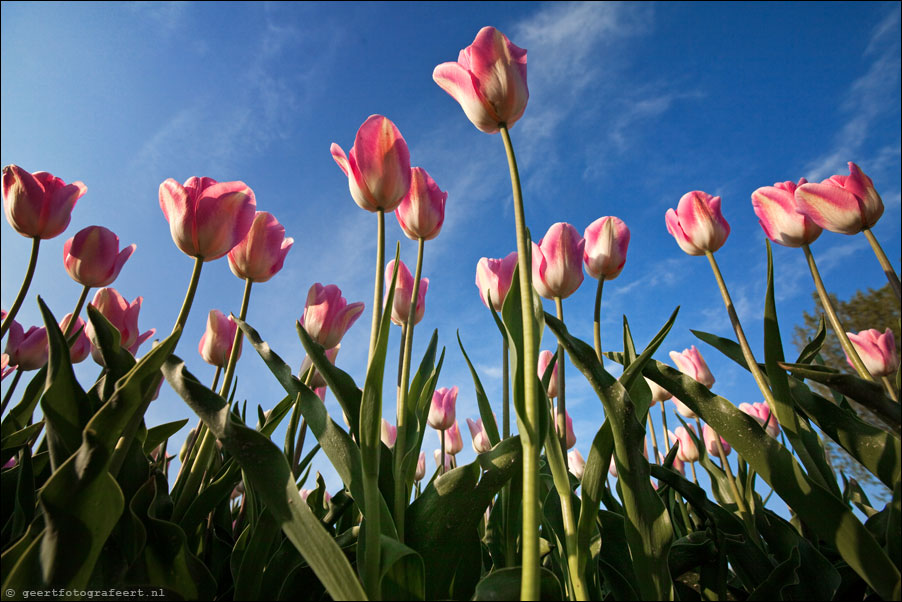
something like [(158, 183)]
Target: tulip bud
[(844, 204), (658, 393), (762, 414), (576, 463), (327, 315), (571, 436), (81, 348), (422, 210), (38, 205), (488, 80), (92, 257), (607, 239), (260, 255), (545, 358), (389, 433), (691, 363), (453, 441), (697, 224), (216, 343), (121, 314), (441, 411), (557, 262), (437, 454), (481, 443), (683, 410), (421, 468), (403, 293), (687, 452), (493, 278), (27, 350), (877, 351), (710, 437), (778, 214)]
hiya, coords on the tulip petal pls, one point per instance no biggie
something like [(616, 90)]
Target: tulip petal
[(462, 86), (830, 207)]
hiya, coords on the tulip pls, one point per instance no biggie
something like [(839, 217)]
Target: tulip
[(92, 257), (493, 278), (761, 413), (488, 80), (422, 210), (81, 348), (437, 454), (5, 368), (421, 468), (260, 254), (557, 262), (124, 316), (778, 214), (658, 393), (844, 204), (571, 436), (877, 351), (709, 436), (207, 218), (38, 205), (441, 412), (697, 224), (216, 343), (687, 452), (378, 166), (316, 379), (576, 463), (607, 239), (453, 441), (690, 362), (403, 292), (27, 349), (683, 410), (389, 433), (327, 315), (481, 443), (305, 493), (545, 358)]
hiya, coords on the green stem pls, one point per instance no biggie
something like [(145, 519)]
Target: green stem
[(561, 417), (884, 263), (233, 356), (844, 341), (70, 327), (505, 390), (890, 389), (20, 298), (441, 469), (216, 378), (529, 582), (371, 525), (12, 387), (654, 437), (664, 427), (189, 296), (597, 323), (734, 488), (377, 291)]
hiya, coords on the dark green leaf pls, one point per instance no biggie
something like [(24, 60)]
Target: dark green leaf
[(504, 584)]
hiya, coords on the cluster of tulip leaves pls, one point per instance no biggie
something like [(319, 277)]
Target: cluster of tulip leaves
[(87, 505)]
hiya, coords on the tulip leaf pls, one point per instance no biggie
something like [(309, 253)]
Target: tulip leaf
[(783, 575), (813, 347), (268, 474), (593, 483), (485, 408), (21, 415), (14, 441), (614, 561), (264, 534), (420, 406), (158, 434), (402, 571), (825, 514), (504, 584)]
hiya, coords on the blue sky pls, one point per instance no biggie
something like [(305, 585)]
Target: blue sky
[(631, 106)]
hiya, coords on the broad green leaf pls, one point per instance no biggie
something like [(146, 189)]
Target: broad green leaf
[(814, 345), (18, 439), (20, 416), (264, 535), (691, 551), (221, 487), (614, 560), (504, 584), (783, 575), (593, 482), (158, 434), (402, 571)]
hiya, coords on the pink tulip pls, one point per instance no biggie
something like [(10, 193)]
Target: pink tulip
[(207, 218), (403, 293), (488, 80), (658, 393), (877, 351), (81, 348), (305, 493), (677, 463), (316, 379), (389, 433), (16, 334), (844, 204), (691, 363), (545, 358), (327, 315), (682, 409), (27, 349), (5, 368), (38, 205), (761, 413), (92, 257), (571, 436), (709, 436), (481, 443), (453, 441), (422, 210), (421, 468), (124, 316), (441, 412), (697, 224), (493, 278), (778, 214), (260, 255), (688, 452), (378, 166), (557, 262), (607, 239), (216, 343), (437, 454), (576, 463)]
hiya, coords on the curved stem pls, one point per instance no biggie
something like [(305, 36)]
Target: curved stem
[(377, 291), (216, 378), (529, 583), (23, 290), (734, 488), (597, 323), (890, 389), (70, 327), (12, 387), (884, 263), (505, 391), (189, 296), (561, 417), (844, 341), (236, 342)]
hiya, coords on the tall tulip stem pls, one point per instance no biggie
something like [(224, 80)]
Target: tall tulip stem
[(12, 387), (529, 583), (70, 327), (380, 276), (597, 322), (233, 356), (837, 326), (884, 263), (890, 389), (734, 488), (189, 296), (505, 391), (654, 437), (20, 298), (561, 417)]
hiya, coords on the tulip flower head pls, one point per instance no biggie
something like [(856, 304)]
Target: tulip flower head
[(260, 255), (607, 239), (571, 436), (437, 454), (441, 412), (403, 293), (488, 80), (844, 204), (38, 205), (682, 409), (877, 351), (389, 433), (92, 257), (124, 316), (494, 277), (688, 452), (658, 393), (709, 436), (762, 414), (557, 262), (378, 166), (576, 463), (545, 358), (778, 214), (421, 467), (216, 343), (5, 368), (453, 441), (81, 348), (207, 218), (697, 224), (327, 315), (481, 443), (691, 363), (27, 349), (422, 210)]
